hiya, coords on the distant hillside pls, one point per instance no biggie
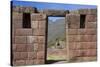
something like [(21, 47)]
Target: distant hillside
[(56, 30)]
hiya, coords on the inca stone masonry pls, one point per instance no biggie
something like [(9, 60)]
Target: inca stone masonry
[(29, 34)]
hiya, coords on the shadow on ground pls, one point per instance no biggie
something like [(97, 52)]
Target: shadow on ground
[(53, 61)]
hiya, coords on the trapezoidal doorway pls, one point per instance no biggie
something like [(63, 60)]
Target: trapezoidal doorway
[(56, 39)]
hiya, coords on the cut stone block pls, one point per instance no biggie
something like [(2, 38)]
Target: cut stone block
[(19, 47), (84, 11), (91, 18), (39, 61), (34, 24), (32, 55), (73, 21), (88, 45), (39, 32), (32, 39), (88, 38), (72, 31), (17, 16), (40, 55), (73, 38), (73, 26), (20, 40), (74, 45), (73, 18), (23, 32), (22, 9), (42, 24), (86, 58), (90, 52), (53, 12), (82, 45), (20, 55), (91, 25), (38, 16), (19, 62), (16, 24), (30, 62), (30, 47), (87, 31), (36, 45), (41, 39), (84, 53), (35, 32), (41, 47)]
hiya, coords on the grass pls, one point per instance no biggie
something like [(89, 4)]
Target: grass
[(53, 57)]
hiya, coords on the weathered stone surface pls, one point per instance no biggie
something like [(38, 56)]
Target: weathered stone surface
[(88, 38), (87, 11), (20, 55), (73, 26), (40, 55), (19, 62), (17, 20), (35, 32), (87, 58), (73, 38), (91, 18), (41, 39), (41, 47), (40, 31), (19, 47), (30, 47), (88, 45), (84, 11), (29, 44), (30, 62), (73, 21), (23, 32), (87, 31), (72, 31), (42, 24), (32, 39), (91, 25), (82, 45), (39, 61), (20, 40), (34, 24), (38, 17), (17, 16), (90, 52), (23, 9), (84, 53), (17, 24), (32, 55), (54, 12), (36, 45), (74, 45)]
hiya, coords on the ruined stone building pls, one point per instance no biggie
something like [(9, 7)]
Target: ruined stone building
[(29, 34)]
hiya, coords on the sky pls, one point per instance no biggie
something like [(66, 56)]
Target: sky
[(45, 5), (57, 6)]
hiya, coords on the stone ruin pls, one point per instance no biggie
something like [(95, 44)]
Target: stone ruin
[(29, 34)]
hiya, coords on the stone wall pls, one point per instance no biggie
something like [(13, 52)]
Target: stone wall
[(82, 42), (28, 45)]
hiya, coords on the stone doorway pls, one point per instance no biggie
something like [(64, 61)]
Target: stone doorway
[(56, 40)]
